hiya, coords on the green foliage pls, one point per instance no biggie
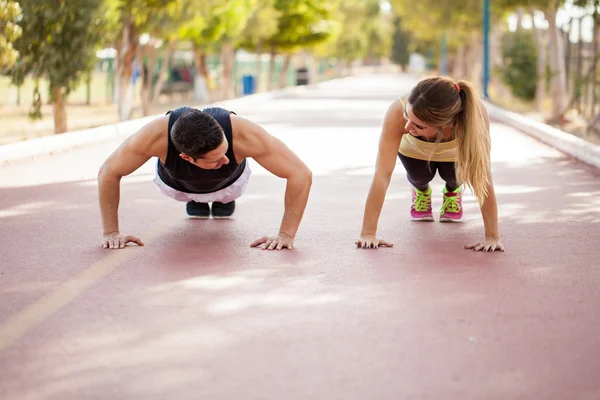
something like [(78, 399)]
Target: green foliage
[(400, 46), (352, 41), (213, 23), (141, 11), (10, 12), (59, 41), (427, 20), (262, 24), (302, 23), (155, 17), (379, 28), (519, 70), (361, 30)]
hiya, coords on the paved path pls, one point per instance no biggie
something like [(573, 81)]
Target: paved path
[(198, 314)]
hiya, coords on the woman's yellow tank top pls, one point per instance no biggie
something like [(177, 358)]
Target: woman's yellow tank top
[(412, 147)]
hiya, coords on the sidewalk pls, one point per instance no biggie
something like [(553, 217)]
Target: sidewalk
[(198, 314)]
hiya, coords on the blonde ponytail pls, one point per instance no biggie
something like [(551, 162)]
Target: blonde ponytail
[(474, 144)]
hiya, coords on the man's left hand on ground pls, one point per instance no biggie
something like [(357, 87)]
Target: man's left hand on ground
[(274, 242)]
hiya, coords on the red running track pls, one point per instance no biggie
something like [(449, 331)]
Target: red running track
[(198, 314)]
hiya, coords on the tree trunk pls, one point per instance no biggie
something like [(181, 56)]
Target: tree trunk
[(127, 54), (164, 69), (567, 59), (60, 111), (593, 125), (579, 71), (594, 74), (227, 58), (271, 69), (146, 77), (588, 77), (520, 15), (558, 83), (540, 88), (202, 78), (284, 70)]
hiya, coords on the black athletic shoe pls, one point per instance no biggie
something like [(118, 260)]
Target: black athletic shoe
[(197, 210), (223, 210)]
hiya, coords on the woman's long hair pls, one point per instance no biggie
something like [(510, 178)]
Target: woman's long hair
[(437, 101)]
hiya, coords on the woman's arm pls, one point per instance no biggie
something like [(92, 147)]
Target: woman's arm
[(389, 142), (489, 212)]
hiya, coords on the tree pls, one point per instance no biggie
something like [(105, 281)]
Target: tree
[(10, 13), (131, 18), (215, 27), (58, 43), (555, 53), (379, 28), (162, 28), (350, 42), (232, 17), (301, 23), (460, 21), (262, 24), (400, 44), (519, 55)]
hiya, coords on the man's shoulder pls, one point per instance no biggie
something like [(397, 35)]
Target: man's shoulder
[(152, 139), (249, 137), (221, 111)]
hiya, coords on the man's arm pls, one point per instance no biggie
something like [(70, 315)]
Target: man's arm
[(273, 155), (127, 158)]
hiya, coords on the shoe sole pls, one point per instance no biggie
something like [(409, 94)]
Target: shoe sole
[(423, 219), (198, 216), (450, 220), (224, 216)]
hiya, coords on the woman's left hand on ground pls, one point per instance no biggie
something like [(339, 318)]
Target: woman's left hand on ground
[(274, 242), (486, 245)]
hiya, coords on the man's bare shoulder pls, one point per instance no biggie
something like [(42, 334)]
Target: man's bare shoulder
[(151, 139), (248, 137)]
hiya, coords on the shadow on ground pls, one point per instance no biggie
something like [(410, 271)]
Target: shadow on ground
[(198, 309)]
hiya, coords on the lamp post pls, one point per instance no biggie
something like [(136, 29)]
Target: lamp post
[(486, 47)]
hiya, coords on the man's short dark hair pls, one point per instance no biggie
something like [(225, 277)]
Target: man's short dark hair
[(196, 133)]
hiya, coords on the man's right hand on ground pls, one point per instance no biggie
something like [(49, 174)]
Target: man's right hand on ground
[(117, 241)]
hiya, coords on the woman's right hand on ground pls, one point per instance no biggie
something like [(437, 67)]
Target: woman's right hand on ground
[(117, 241), (371, 242)]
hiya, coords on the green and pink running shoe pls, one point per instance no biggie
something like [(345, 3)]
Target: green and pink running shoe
[(421, 205), (452, 208)]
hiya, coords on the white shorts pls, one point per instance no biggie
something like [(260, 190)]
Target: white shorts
[(225, 195)]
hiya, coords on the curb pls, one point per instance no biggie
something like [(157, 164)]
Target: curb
[(51, 144), (70, 140), (580, 149)]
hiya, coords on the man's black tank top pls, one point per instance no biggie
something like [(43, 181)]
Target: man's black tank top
[(186, 177)]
